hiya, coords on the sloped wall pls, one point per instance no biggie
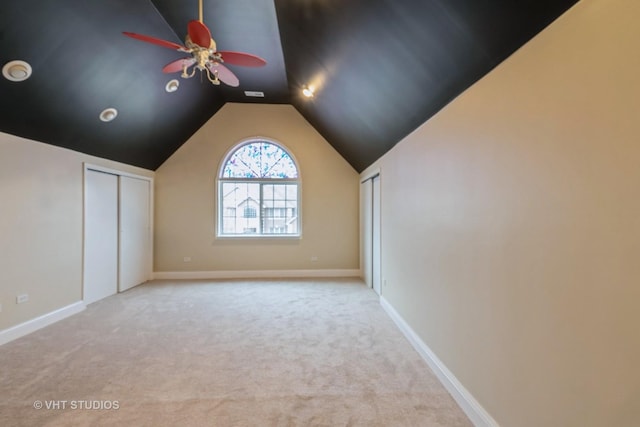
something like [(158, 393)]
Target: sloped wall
[(511, 227)]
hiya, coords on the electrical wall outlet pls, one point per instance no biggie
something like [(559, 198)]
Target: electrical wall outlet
[(186, 259), (314, 259), (22, 298), (0, 308)]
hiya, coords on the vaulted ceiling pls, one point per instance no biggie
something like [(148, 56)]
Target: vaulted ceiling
[(379, 68)]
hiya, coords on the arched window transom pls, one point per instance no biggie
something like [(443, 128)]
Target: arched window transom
[(260, 160), (258, 192)]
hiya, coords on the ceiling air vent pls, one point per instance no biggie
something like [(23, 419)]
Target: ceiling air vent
[(254, 94)]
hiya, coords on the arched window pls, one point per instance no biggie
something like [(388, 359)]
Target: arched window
[(258, 191)]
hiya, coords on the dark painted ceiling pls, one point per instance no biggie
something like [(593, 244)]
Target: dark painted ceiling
[(380, 67)]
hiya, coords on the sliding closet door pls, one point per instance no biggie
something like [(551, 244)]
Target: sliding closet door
[(135, 232), (101, 236), (375, 236), (371, 241), (366, 205)]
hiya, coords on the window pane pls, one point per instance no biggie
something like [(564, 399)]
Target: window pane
[(292, 192), (267, 191), (279, 192), (280, 211), (240, 207)]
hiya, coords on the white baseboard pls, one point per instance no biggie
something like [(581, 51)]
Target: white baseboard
[(254, 274), (33, 325), (476, 413)]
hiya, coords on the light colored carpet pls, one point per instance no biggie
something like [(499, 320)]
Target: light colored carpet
[(225, 353)]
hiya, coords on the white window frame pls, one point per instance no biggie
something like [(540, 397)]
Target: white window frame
[(220, 180)]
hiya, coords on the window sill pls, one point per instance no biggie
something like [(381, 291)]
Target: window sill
[(258, 237)]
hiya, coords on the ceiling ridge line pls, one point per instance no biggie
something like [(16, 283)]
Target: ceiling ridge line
[(165, 21)]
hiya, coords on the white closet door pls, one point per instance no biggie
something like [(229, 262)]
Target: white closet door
[(366, 205), (135, 232), (375, 239), (101, 236)]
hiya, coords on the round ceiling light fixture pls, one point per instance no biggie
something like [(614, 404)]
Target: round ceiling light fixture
[(109, 114), (16, 71), (308, 91), (172, 86)]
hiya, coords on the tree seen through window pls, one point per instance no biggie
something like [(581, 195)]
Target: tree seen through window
[(259, 192)]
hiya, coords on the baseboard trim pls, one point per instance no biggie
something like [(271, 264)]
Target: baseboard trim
[(254, 274), (40, 322), (476, 413)]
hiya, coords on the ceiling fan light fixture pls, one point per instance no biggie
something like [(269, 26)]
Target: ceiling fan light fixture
[(204, 54), (108, 115), (16, 71), (172, 86)]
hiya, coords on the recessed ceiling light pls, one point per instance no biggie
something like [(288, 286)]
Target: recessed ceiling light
[(109, 114), (172, 86), (308, 91), (254, 93), (16, 71)]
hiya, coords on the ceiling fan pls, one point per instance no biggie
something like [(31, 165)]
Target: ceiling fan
[(204, 55)]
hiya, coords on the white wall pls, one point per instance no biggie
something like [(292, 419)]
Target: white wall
[(516, 253), (186, 201), (41, 202)]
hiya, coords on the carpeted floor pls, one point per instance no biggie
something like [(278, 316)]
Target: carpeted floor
[(224, 353)]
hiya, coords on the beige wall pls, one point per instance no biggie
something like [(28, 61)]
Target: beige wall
[(185, 199), (41, 202), (511, 227)]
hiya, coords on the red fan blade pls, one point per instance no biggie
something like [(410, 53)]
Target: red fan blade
[(224, 74), (154, 40), (178, 65), (199, 34), (241, 58)]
